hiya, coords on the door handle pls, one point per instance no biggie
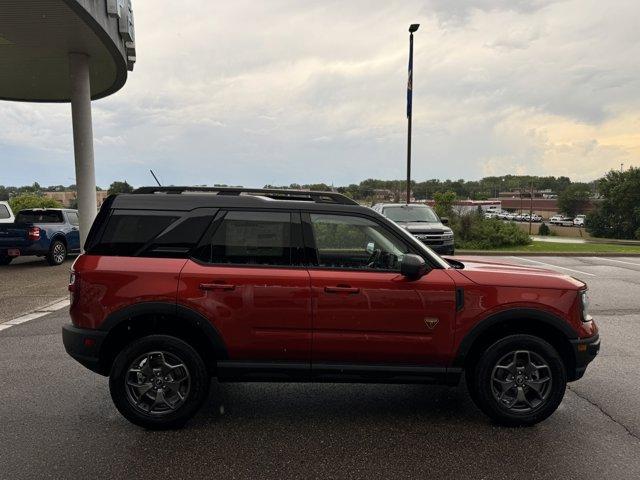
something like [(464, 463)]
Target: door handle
[(216, 286), (341, 289)]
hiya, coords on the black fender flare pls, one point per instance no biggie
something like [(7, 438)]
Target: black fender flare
[(511, 315), (181, 313)]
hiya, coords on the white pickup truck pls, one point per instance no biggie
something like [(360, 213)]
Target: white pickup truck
[(6, 214)]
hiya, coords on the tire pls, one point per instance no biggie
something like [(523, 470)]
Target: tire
[(57, 253), (184, 386), (521, 392), (5, 260)]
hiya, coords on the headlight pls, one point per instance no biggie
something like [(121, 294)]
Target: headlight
[(448, 234), (584, 302)]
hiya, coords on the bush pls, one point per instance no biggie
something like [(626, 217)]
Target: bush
[(544, 230), (618, 214), (479, 233), (22, 202)]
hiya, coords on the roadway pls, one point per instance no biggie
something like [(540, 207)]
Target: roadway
[(58, 420)]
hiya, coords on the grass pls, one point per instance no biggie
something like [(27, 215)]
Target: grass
[(549, 247)]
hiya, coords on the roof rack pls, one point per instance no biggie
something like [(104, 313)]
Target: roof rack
[(273, 193)]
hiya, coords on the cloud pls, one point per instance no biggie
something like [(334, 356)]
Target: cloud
[(284, 91)]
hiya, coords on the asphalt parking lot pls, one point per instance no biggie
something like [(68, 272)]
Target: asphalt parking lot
[(58, 420), (28, 283)]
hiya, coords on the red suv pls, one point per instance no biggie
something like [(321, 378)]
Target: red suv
[(180, 284)]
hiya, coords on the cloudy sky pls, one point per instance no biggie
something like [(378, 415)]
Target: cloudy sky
[(275, 92)]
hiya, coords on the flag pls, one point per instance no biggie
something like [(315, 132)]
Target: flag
[(410, 79)]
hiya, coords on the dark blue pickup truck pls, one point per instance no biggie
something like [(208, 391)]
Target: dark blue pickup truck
[(50, 232)]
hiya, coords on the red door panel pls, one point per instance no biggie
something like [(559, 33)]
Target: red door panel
[(381, 317), (261, 313)]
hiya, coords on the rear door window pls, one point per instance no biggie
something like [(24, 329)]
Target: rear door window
[(251, 238)]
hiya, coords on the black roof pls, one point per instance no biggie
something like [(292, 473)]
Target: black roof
[(273, 193), (188, 198)]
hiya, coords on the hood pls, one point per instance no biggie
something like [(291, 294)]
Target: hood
[(510, 275), (424, 226)]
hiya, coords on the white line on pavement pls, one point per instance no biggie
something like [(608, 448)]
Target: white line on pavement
[(555, 266), (621, 261), (37, 313)]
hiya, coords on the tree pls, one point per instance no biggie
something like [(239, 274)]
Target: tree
[(574, 199), (22, 202), (444, 203), (618, 215), (119, 187)]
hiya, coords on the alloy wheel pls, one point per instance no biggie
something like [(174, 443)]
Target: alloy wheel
[(521, 381), (59, 253), (157, 383)]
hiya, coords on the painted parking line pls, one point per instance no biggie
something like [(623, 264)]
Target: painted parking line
[(39, 312), (620, 261), (555, 266)]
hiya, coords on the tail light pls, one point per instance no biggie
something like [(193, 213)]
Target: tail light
[(33, 234)]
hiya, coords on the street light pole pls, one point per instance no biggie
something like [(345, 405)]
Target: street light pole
[(412, 28)]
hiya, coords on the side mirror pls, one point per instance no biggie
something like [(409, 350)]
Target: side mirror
[(444, 220), (413, 266), (370, 247)]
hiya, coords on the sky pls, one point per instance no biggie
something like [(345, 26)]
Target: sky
[(278, 92)]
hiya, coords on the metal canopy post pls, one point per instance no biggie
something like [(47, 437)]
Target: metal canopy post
[(83, 141)]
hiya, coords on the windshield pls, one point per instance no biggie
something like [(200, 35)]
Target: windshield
[(411, 213)]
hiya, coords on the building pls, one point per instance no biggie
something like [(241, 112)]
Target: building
[(68, 198), (68, 51)]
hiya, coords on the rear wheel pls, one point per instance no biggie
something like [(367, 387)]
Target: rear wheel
[(5, 259), (158, 382), (518, 381), (57, 253)]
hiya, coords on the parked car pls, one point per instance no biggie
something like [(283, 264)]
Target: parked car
[(51, 233), (269, 285), (536, 218), (422, 222), (6, 214), (561, 220), (579, 220)]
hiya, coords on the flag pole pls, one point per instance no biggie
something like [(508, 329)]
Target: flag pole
[(412, 28)]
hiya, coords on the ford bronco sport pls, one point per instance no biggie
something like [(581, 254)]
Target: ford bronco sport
[(178, 285)]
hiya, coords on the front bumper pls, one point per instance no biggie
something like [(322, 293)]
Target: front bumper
[(585, 350), (443, 249), (84, 346)]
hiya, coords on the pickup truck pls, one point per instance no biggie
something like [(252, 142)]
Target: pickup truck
[(51, 232)]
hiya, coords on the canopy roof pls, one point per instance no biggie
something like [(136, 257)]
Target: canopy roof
[(36, 37)]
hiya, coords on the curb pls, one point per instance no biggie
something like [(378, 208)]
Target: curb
[(54, 306)]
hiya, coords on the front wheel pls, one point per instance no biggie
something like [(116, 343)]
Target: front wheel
[(518, 381), (158, 382), (57, 253)]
